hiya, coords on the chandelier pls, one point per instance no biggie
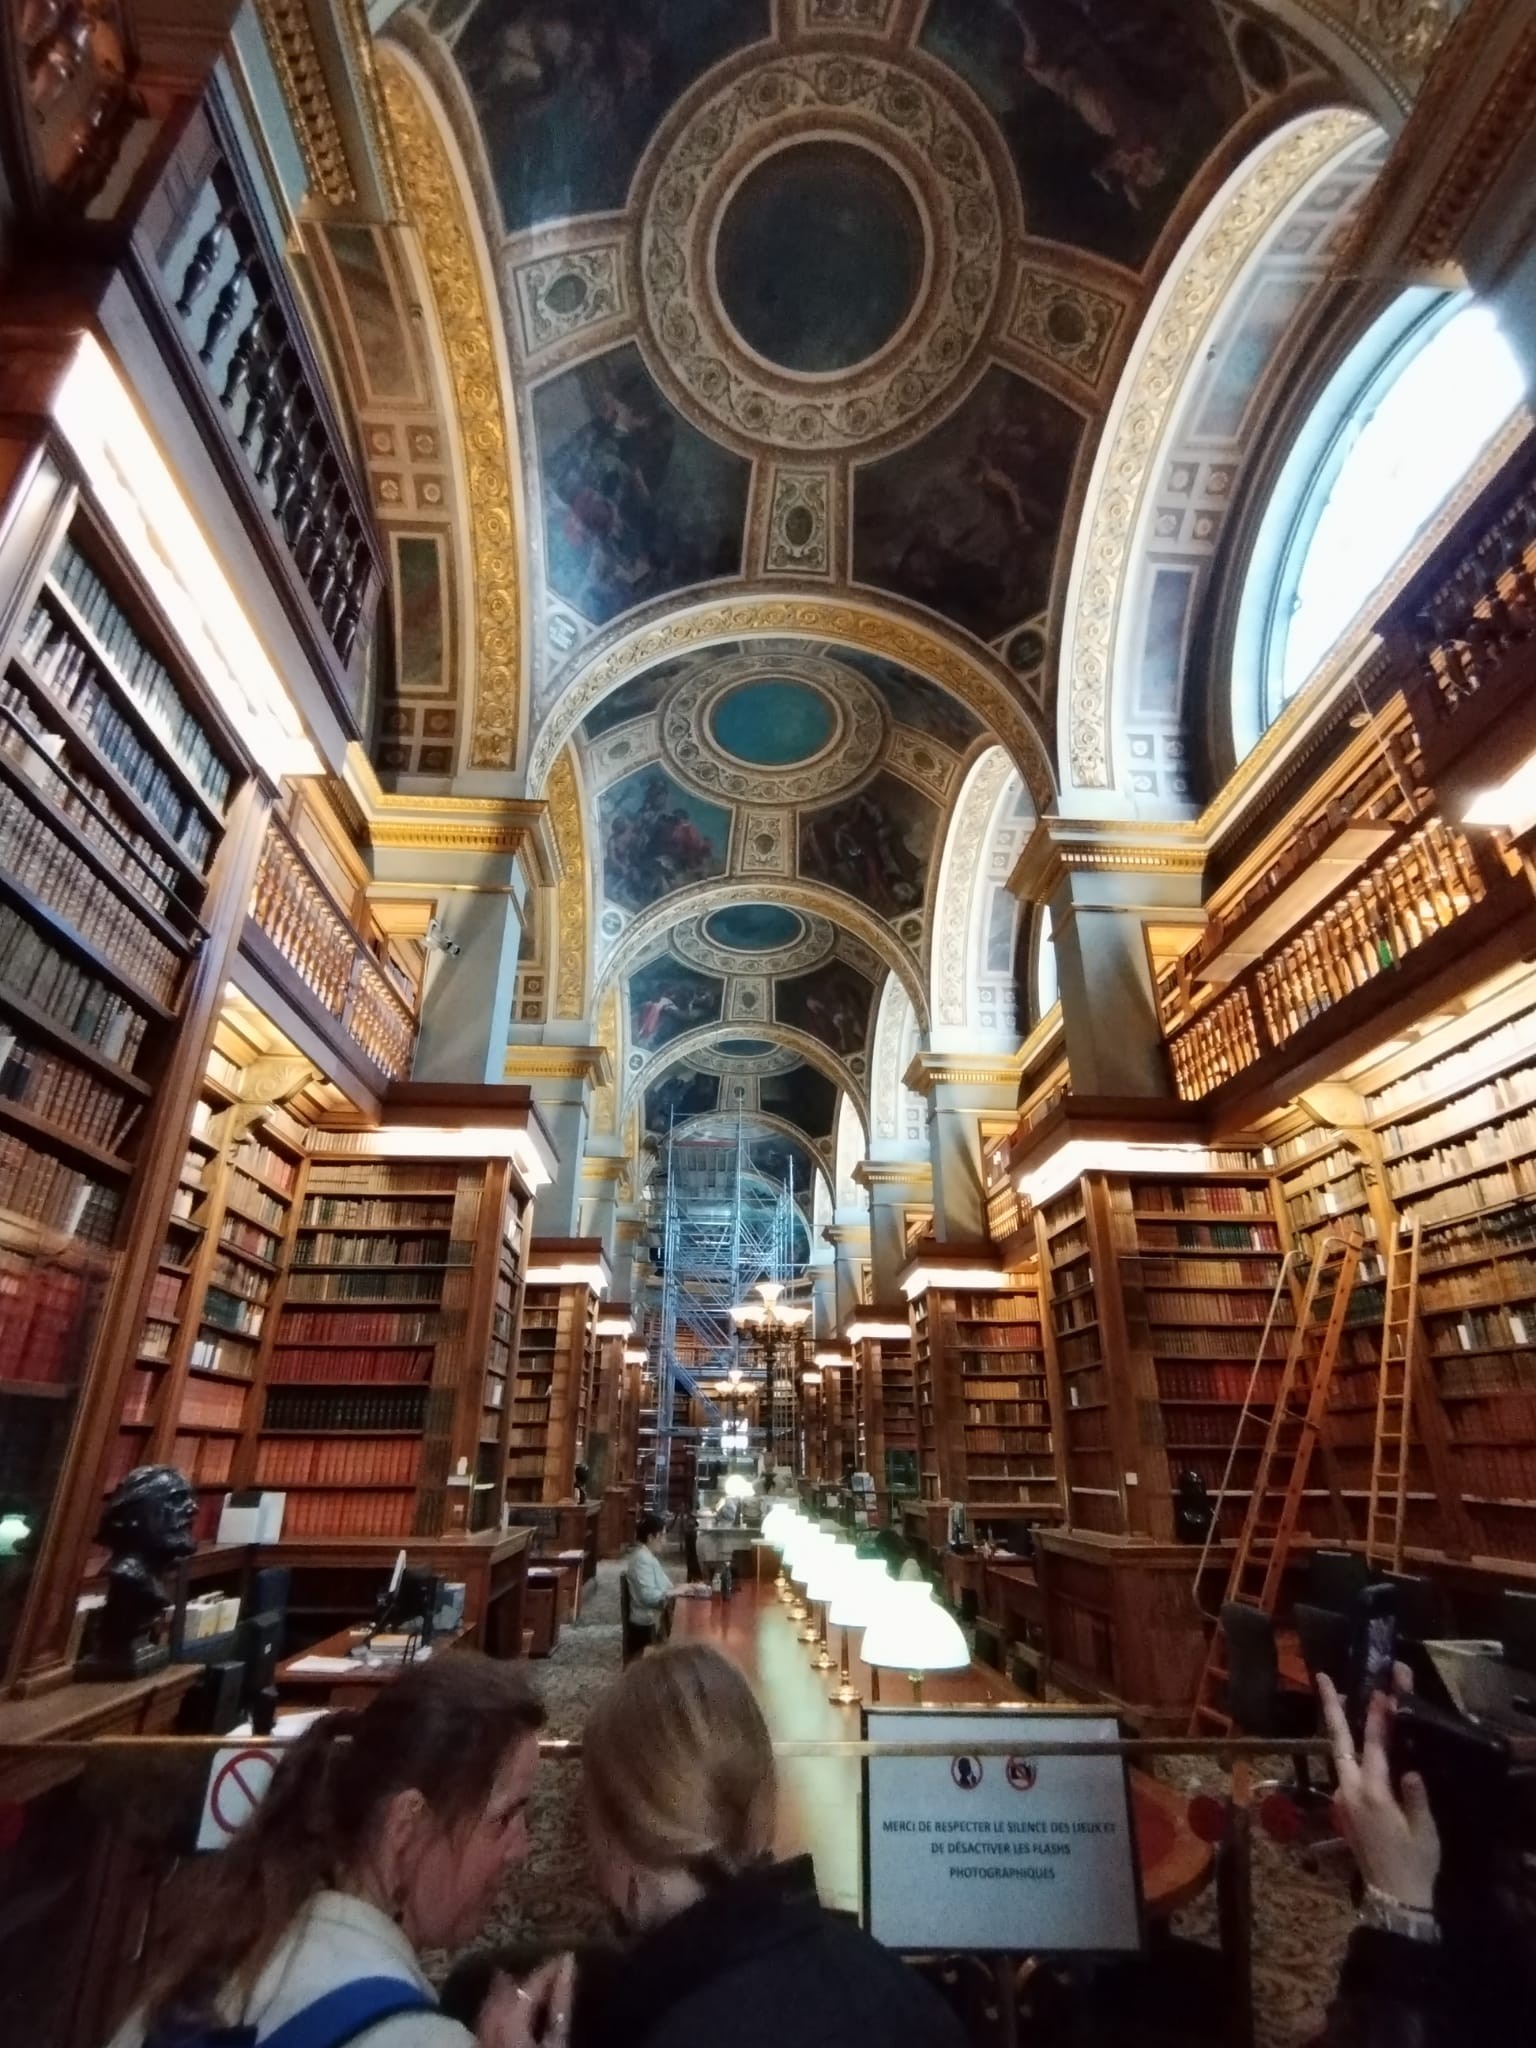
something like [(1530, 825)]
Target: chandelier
[(772, 1323)]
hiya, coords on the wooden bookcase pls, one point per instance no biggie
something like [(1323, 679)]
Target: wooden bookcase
[(551, 1389), (881, 1342), (126, 845)]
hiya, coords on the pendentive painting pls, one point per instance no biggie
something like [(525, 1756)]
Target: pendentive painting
[(683, 1093), (1108, 106), (875, 844), (657, 837), (637, 502), (667, 998), (833, 1004)]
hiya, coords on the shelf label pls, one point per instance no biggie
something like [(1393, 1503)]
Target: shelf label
[(1011, 1854)]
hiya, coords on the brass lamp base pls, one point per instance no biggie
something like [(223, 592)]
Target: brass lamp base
[(847, 1694), (822, 1661)]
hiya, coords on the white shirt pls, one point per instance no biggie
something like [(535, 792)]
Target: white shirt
[(335, 1940), (649, 1584)]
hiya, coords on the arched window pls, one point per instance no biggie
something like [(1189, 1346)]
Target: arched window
[(1047, 981), (1401, 424)]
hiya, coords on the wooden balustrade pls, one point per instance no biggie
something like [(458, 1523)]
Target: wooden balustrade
[(291, 907), (1419, 886), (1475, 617)]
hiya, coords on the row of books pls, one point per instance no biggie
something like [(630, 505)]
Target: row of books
[(139, 1401), (39, 753), (1509, 1372), (206, 1404), (297, 1407), (1492, 1237), (1492, 1145), (375, 1177), (349, 1362), (1513, 1416), (165, 1297), (63, 667), (1008, 1414), (1511, 1184), (348, 1514), (1165, 1306), (357, 1327), (532, 1389), (1088, 1429), (1491, 1103), (1504, 1471), (208, 1354), (65, 1094), (155, 1341), (1077, 1349), (231, 1311), (338, 1248), (247, 1198), (1317, 1204), (527, 1437), (206, 1460), (1217, 1343), (1511, 1278), (996, 1308), (1257, 1271), (41, 1188), (224, 1070), (1024, 1344), (1490, 1328), (266, 1164), (984, 1436), (234, 1276), (337, 1461), (36, 859), (1078, 1311), (998, 1391), (145, 678), (1511, 1041), (1216, 1427), (384, 1285), (1199, 1198), (1217, 1383), (1221, 1237), (80, 1003), (46, 1311), (237, 1231)]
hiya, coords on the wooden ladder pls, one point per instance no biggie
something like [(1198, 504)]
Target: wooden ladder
[(1401, 1336), (1264, 1544)]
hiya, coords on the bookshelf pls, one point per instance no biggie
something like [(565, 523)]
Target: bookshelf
[(929, 1393), (565, 1279), (881, 1342), (118, 780)]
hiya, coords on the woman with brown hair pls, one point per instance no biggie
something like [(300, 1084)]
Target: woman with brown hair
[(386, 1831), (682, 1811)]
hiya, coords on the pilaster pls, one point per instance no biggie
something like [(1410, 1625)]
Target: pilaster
[(961, 1090)]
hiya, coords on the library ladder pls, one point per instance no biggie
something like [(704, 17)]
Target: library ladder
[(1401, 1337), (1274, 1506)]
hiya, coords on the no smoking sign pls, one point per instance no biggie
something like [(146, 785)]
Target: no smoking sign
[(237, 1784)]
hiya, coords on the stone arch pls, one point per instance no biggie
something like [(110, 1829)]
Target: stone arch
[(1095, 697), (971, 996), (898, 1118), (706, 1036)]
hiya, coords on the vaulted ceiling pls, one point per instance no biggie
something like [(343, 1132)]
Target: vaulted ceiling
[(814, 310)]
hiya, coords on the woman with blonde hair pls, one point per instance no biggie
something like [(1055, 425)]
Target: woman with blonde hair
[(725, 1943)]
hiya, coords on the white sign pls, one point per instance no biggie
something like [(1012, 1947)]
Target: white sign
[(237, 1784), (998, 1853)]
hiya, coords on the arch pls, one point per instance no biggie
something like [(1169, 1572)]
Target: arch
[(971, 1001), (898, 1118), (699, 898), (714, 1122), (677, 1050), (571, 964), (850, 1145), (972, 674), (1238, 225)]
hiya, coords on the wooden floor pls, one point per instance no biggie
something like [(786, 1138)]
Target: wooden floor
[(819, 1796)]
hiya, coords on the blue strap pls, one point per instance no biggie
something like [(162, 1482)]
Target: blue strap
[(351, 2009)]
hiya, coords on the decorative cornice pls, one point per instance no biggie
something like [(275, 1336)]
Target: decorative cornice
[(446, 238), (1061, 846), (854, 1234), (453, 824), (602, 1168), (536, 1063), (1399, 37), (360, 41), (306, 90), (916, 1174), (931, 1070), (571, 896)]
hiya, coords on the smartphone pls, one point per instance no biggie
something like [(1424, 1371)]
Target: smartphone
[(1374, 1650)]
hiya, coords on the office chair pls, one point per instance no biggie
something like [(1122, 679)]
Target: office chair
[(1423, 1612), (1326, 1642), (1256, 1700), (1336, 1579)]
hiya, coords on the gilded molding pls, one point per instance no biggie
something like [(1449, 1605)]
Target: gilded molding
[(1401, 36), (605, 1103), (931, 1070), (1062, 846), (296, 60), (446, 237), (559, 1063), (571, 895), (456, 824), (1169, 346), (916, 1174), (639, 647)]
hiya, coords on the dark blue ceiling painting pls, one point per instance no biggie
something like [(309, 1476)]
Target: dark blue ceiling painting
[(773, 724), (634, 699), (968, 522), (753, 927), (568, 92), (682, 1093), (876, 844), (668, 997), (804, 1097), (819, 256), (657, 837), (833, 1003), (1109, 106), (637, 502), (912, 700)]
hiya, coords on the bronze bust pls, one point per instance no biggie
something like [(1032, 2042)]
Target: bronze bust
[(147, 1526)]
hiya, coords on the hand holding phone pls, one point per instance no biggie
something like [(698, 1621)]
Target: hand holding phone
[(1393, 1834)]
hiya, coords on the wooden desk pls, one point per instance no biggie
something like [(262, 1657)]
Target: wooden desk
[(819, 1796), (357, 1686)]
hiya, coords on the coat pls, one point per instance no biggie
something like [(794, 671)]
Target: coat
[(759, 1963)]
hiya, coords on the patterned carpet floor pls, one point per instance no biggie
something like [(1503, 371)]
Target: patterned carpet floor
[(1302, 1914)]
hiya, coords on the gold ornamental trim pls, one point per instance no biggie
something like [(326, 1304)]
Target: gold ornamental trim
[(571, 895), (453, 824), (916, 1174), (442, 223), (559, 1063), (930, 1070), (301, 74)]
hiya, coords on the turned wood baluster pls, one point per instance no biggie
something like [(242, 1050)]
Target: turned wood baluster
[(225, 306), (301, 503), (204, 261), (352, 603), (323, 583), (318, 539), (347, 543), (260, 380), (290, 460), (279, 415)]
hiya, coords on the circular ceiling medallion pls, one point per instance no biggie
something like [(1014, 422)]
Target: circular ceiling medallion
[(744, 1048), (802, 225), (753, 927), (775, 723), (883, 285), (773, 728)]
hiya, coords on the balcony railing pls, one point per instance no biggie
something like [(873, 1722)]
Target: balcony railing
[(1421, 885), (292, 909), (1483, 611)]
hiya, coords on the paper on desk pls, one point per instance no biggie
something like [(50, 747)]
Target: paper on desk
[(318, 1666)]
